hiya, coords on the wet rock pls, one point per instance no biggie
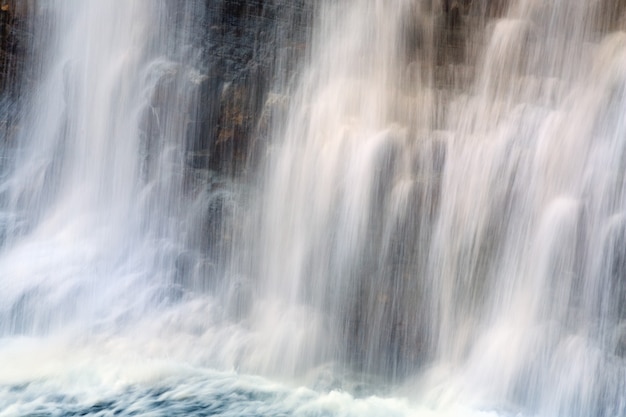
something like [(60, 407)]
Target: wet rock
[(249, 48), (240, 108), (609, 15), (450, 35), (485, 8), (14, 40), (417, 33), (452, 11)]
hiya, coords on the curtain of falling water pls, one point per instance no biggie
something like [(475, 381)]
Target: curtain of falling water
[(530, 281), (444, 199), (332, 211), (93, 208), (448, 199)]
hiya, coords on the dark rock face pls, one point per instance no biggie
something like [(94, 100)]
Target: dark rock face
[(14, 40), (249, 48), (15, 74), (221, 82)]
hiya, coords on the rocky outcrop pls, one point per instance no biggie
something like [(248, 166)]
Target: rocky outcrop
[(251, 47), (14, 39)]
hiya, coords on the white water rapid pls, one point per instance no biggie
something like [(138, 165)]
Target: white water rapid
[(436, 226)]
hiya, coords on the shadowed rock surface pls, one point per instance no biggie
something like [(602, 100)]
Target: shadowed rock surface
[(250, 48)]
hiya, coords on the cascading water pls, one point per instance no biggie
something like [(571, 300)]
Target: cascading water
[(97, 176), (439, 217)]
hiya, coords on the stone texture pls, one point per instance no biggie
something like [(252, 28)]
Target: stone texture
[(14, 39), (250, 48)]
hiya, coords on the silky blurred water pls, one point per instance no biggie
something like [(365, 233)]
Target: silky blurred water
[(435, 227)]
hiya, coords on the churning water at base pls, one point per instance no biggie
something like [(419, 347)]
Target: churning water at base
[(438, 226)]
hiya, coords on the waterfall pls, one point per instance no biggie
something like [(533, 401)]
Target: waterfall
[(432, 209), (468, 224), (93, 210)]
